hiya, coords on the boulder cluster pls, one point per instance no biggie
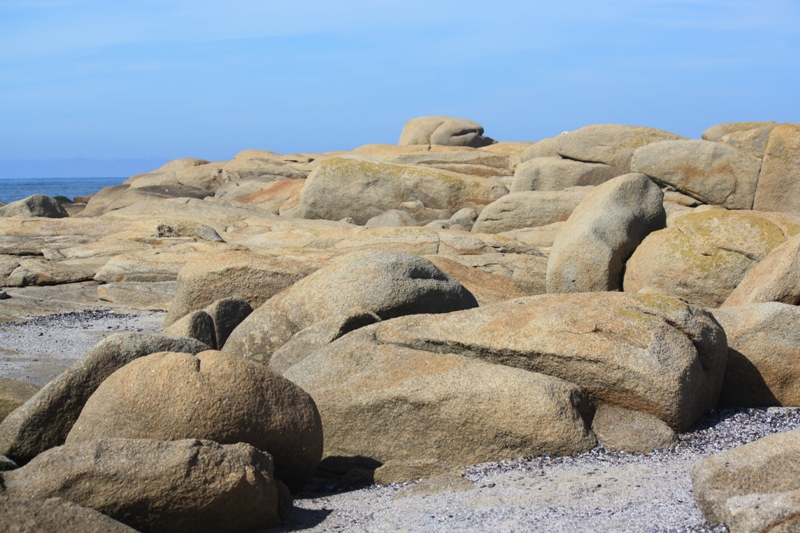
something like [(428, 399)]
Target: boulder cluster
[(446, 301)]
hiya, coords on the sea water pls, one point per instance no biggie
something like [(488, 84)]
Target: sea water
[(16, 189)]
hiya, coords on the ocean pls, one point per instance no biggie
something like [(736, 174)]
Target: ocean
[(17, 189)]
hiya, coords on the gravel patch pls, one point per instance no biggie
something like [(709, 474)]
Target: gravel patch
[(38, 349), (596, 491)]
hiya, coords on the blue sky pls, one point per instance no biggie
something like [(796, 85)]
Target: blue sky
[(94, 87)]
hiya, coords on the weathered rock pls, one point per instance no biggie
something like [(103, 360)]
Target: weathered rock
[(763, 354), (54, 515), (768, 465), (528, 272), (779, 183), (362, 187), (139, 295), (543, 148), (646, 353), (464, 218), (619, 429), (14, 393), (7, 464), (387, 283), (705, 254), (393, 218), (472, 162), (47, 417), (529, 209), (430, 241), (188, 485), (714, 173), (602, 232), (155, 264), (387, 402), (121, 196), (405, 471), (487, 287), (776, 278), (37, 205), (753, 141), (443, 130), (213, 396), (37, 271), (197, 325), (204, 176), (557, 174), (716, 133), (611, 144), (268, 195), (319, 334), (539, 237), (253, 277)]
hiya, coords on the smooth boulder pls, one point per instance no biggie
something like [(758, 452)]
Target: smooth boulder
[(591, 249), (557, 174), (646, 353), (528, 209), (714, 173), (387, 403), (388, 284), (212, 396), (151, 485), (47, 417)]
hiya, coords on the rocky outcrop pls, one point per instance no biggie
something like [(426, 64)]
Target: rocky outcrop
[(610, 144), (361, 187), (212, 396), (443, 130), (45, 419), (188, 485), (602, 232)]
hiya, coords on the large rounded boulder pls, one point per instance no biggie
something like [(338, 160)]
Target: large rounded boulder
[(213, 396), (447, 131), (388, 284)]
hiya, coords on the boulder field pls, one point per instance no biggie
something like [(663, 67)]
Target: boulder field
[(399, 311)]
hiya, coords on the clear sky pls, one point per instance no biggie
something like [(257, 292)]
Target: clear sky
[(101, 86)]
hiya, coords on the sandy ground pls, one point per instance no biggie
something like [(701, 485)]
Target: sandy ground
[(592, 492)]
